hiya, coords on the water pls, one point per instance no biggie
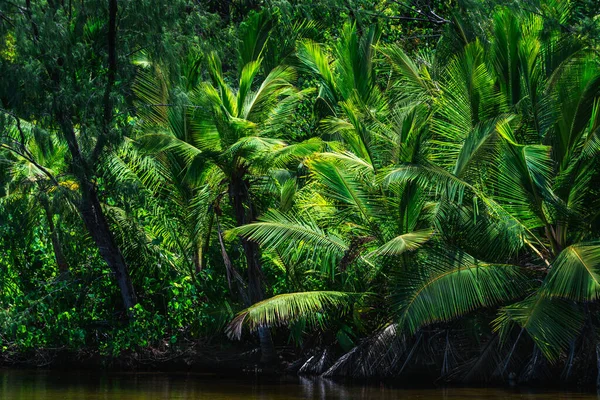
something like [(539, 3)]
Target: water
[(36, 385)]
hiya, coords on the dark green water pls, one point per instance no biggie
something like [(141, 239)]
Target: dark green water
[(27, 385)]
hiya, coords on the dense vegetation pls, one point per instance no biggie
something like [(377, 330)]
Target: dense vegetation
[(405, 187)]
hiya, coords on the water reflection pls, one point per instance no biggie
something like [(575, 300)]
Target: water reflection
[(28, 385)]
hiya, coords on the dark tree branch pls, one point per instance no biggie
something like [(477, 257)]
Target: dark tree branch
[(110, 80), (24, 152), (7, 19), (34, 27), (31, 160), (429, 17)]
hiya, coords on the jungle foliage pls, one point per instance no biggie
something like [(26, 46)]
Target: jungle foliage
[(383, 189)]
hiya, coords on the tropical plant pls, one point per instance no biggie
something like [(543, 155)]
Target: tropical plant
[(493, 150), (81, 102), (35, 174), (398, 205), (227, 141)]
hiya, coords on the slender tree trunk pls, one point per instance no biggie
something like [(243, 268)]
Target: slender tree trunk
[(95, 220), (61, 261), (206, 243), (197, 258), (96, 223), (244, 213), (267, 347), (232, 272)]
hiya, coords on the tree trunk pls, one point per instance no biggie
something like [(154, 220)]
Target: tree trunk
[(267, 347), (197, 257), (244, 213), (61, 261), (206, 242), (95, 220), (89, 206)]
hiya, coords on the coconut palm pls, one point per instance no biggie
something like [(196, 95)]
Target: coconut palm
[(493, 149), (226, 141), (36, 173), (512, 134)]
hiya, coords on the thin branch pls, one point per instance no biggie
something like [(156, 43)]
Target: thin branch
[(7, 19), (37, 165), (436, 19), (24, 152)]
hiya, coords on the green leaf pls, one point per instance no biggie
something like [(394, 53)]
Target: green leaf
[(450, 284), (287, 232), (551, 323), (575, 274), (286, 308), (406, 242)]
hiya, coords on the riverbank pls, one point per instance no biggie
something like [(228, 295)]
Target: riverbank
[(71, 385), (193, 357), (241, 362)]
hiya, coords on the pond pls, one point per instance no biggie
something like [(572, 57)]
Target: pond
[(40, 385)]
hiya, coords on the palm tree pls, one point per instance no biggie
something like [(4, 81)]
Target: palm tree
[(225, 140), (519, 135), (492, 149), (37, 171), (178, 213), (362, 222)]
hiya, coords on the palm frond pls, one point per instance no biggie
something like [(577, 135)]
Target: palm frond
[(286, 231), (283, 156), (255, 33), (453, 284), (260, 103), (575, 274), (316, 61), (415, 82), (287, 308), (343, 187), (406, 242), (551, 323)]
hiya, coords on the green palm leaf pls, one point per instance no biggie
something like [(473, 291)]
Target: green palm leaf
[(575, 273), (414, 82), (259, 104), (343, 187), (406, 242), (281, 157), (163, 142), (286, 308), (316, 61), (479, 145), (454, 188), (255, 34), (276, 230), (551, 323), (449, 285)]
